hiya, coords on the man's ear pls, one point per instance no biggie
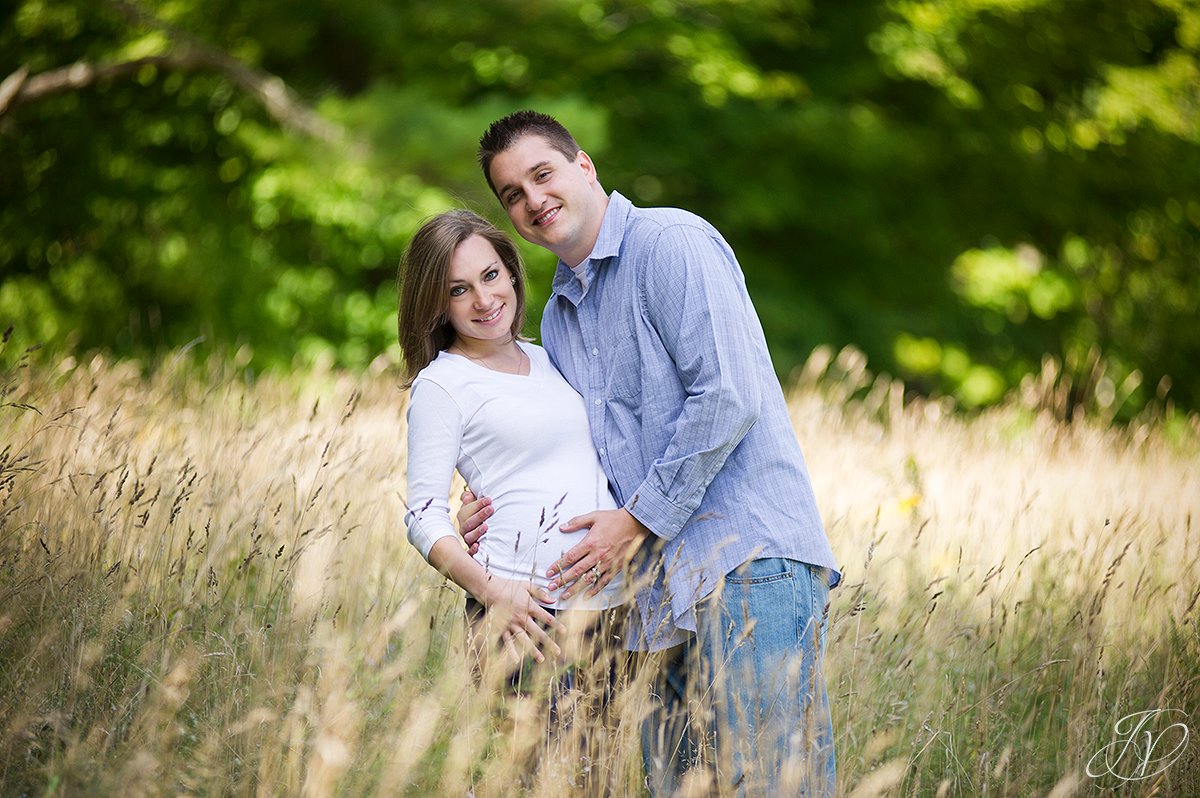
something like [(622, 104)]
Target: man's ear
[(585, 163)]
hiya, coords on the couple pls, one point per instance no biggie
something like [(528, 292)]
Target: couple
[(667, 449)]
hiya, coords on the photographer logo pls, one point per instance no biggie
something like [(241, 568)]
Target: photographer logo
[(1144, 745)]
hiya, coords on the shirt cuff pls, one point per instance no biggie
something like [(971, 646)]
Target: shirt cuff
[(424, 538), (656, 512)]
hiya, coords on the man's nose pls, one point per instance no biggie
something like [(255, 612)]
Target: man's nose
[(534, 199)]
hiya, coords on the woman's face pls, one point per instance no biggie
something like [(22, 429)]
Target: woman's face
[(482, 297)]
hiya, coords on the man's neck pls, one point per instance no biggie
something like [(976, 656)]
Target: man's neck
[(574, 258)]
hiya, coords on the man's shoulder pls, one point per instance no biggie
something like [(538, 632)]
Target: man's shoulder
[(653, 222)]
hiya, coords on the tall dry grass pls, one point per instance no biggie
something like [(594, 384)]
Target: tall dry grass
[(205, 589)]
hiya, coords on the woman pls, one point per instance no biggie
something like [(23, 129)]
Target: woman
[(495, 408)]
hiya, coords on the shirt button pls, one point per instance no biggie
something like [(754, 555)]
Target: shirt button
[(602, 451), (595, 351), (597, 403)]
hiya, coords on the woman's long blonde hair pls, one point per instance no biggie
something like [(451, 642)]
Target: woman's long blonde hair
[(423, 284)]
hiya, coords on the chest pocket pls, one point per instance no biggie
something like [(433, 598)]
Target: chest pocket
[(624, 378)]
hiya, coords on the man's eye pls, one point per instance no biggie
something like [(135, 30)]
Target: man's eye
[(542, 175), (512, 197)]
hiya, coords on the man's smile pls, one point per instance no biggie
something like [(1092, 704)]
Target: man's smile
[(546, 217)]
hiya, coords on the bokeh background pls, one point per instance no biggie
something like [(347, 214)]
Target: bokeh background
[(970, 192)]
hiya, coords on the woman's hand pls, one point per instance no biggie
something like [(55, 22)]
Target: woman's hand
[(516, 617)]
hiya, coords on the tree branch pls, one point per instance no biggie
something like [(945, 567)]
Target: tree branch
[(283, 105)]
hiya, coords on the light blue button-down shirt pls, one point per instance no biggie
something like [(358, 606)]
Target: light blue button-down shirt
[(684, 408)]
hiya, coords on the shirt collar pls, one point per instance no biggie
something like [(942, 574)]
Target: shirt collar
[(608, 245)]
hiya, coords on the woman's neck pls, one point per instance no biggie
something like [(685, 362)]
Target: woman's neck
[(503, 356)]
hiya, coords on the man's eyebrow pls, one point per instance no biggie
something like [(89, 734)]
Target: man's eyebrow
[(509, 187)]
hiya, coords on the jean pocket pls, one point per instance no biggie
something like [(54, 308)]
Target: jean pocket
[(759, 572)]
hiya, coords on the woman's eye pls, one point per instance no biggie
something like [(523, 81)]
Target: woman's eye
[(492, 275), (457, 290)]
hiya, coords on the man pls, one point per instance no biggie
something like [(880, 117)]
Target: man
[(650, 321)]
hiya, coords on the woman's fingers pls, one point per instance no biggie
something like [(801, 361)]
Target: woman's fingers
[(540, 638), (529, 647), (542, 617), (526, 623), (510, 646)]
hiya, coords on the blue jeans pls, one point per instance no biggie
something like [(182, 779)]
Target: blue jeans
[(744, 700)]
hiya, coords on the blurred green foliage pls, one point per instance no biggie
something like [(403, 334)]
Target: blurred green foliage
[(959, 188)]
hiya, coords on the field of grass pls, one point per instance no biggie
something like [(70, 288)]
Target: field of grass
[(205, 589)]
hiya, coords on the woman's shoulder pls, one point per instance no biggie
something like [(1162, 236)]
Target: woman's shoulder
[(443, 371)]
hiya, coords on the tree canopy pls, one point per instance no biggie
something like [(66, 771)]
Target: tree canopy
[(959, 188)]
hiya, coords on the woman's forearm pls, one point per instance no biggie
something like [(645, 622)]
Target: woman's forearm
[(452, 560)]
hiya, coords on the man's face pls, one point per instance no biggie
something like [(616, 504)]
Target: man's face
[(552, 202)]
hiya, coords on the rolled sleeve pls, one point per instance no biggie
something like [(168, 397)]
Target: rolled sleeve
[(655, 511), (694, 300)]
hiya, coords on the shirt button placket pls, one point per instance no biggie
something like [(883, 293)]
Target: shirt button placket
[(587, 327)]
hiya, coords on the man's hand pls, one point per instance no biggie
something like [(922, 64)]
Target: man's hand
[(471, 517), (513, 611), (612, 540)]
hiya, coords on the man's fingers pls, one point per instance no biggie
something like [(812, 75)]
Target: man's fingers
[(568, 559), (583, 575), (569, 568), (587, 570), (614, 568), (471, 535), (578, 522), (475, 522), (471, 515), (467, 496)]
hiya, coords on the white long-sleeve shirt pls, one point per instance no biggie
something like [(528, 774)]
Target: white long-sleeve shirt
[(522, 440)]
